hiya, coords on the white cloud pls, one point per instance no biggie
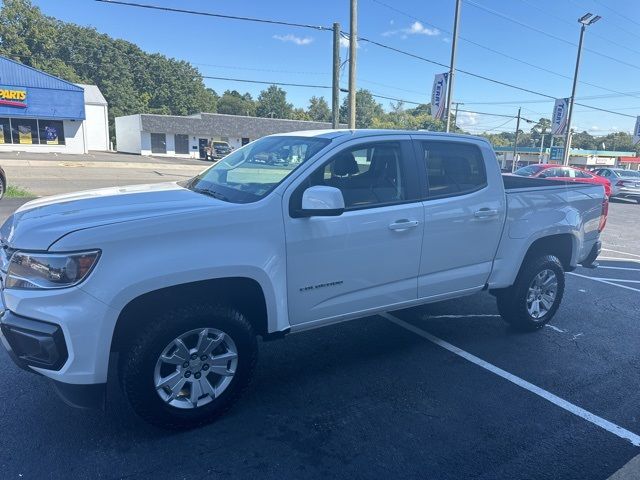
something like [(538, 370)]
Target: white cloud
[(466, 119), (293, 39), (416, 28), (344, 42)]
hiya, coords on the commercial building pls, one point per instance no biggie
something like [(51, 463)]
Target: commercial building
[(147, 134), (578, 158), (43, 113)]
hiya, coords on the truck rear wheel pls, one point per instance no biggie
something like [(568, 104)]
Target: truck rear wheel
[(534, 298), (189, 366)]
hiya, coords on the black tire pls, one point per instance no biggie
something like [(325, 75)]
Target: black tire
[(3, 187), (138, 363), (512, 302)]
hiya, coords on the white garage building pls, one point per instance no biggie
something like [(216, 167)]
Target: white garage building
[(171, 135)]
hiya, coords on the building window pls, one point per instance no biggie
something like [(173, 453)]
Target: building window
[(158, 143), (24, 131), (182, 143), (51, 132), (5, 130), (245, 140)]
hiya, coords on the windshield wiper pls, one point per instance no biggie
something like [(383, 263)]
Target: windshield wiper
[(211, 193)]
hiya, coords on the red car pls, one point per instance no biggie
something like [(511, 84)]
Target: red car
[(567, 174)]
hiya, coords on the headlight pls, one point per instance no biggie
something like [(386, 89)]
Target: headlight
[(33, 271)]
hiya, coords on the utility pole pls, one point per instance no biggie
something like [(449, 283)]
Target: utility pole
[(353, 46), (585, 21), (335, 88), (515, 144), (455, 116), (452, 66)]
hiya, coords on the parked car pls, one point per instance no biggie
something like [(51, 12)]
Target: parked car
[(217, 150), (624, 183), (3, 183), (180, 278), (567, 174)]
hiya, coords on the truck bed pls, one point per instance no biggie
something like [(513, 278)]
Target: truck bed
[(513, 182)]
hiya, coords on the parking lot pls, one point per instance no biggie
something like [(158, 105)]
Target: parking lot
[(445, 391)]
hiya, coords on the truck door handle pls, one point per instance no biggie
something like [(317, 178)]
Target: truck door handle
[(486, 213), (404, 224)]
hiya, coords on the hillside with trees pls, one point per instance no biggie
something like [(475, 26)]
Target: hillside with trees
[(134, 81)]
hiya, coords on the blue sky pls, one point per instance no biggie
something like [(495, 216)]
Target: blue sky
[(230, 48)]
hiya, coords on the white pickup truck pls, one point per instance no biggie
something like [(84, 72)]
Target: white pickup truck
[(179, 279)]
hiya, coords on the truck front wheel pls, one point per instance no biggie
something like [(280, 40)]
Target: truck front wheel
[(189, 366), (534, 298)]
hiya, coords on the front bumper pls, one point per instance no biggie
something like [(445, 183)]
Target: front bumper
[(32, 343)]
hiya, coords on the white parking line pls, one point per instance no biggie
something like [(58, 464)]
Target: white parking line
[(615, 279), (619, 268), (550, 397), (624, 253), (604, 281), (633, 260)]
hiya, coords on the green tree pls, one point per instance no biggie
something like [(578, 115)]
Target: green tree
[(367, 109), (272, 102), (300, 114), (131, 80), (542, 127), (319, 109), (233, 103)]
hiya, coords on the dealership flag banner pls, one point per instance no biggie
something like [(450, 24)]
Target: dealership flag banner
[(636, 132), (559, 119), (439, 96)]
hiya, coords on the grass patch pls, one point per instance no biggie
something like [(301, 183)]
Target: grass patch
[(17, 192)]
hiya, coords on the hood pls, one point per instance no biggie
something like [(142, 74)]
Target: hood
[(39, 223)]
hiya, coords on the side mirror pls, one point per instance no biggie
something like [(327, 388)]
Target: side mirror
[(321, 201), (542, 175)]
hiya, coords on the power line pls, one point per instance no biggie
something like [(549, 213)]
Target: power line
[(466, 72), (270, 70), (492, 50), (550, 35), (567, 22), (323, 28), (216, 15), (284, 84), (605, 110)]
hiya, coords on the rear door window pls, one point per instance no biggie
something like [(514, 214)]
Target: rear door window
[(453, 168)]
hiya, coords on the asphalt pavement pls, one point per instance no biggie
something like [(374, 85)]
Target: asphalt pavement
[(51, 174), (445, 391)]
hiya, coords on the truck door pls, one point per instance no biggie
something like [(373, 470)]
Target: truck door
[(368, 257), (464, 216)]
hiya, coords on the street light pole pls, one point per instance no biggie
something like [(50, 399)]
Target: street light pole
[(585, 21), (452, 67)]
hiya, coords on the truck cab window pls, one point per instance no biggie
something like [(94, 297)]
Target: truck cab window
[(368, 176), (453, 168)]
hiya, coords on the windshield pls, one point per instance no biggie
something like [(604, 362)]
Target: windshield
[(627, 173), (528, 171), (220, 144), (251, 172)]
